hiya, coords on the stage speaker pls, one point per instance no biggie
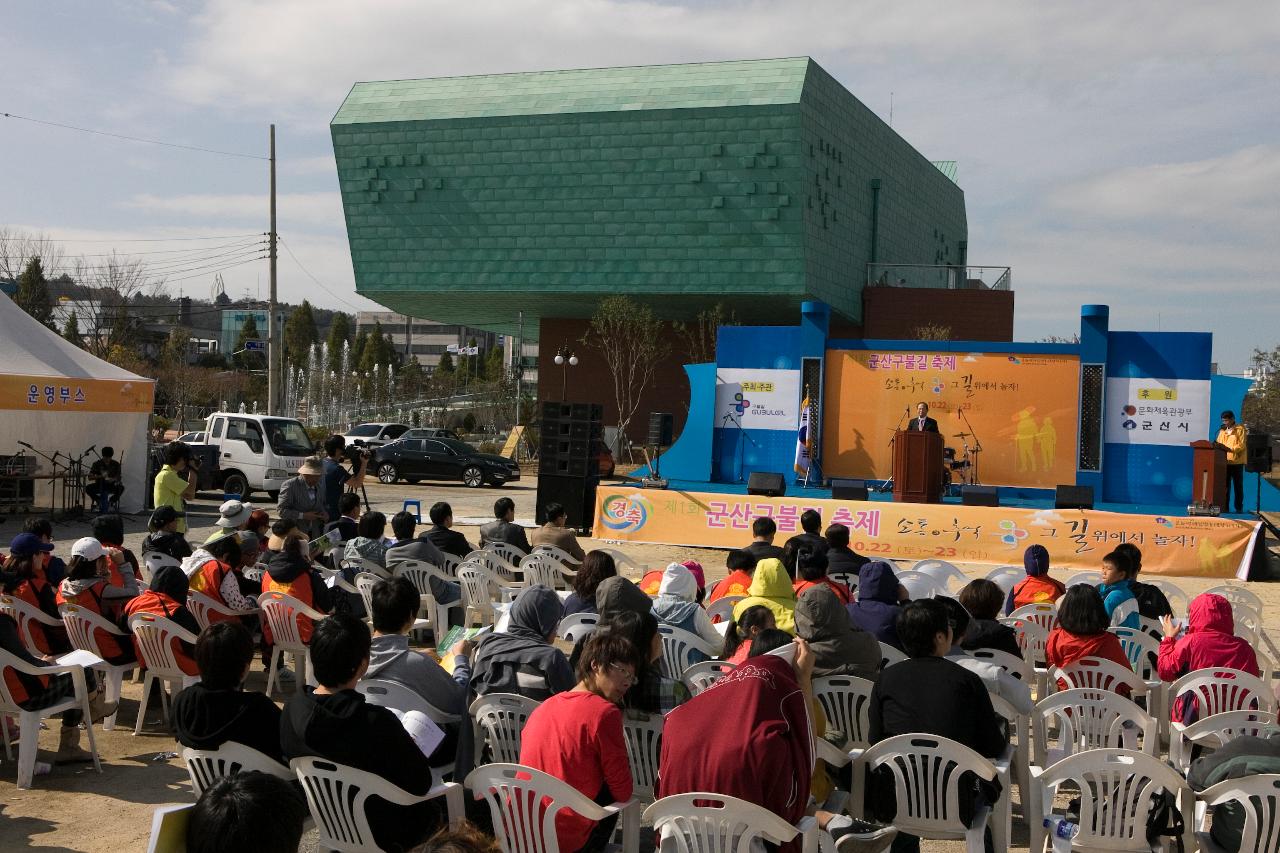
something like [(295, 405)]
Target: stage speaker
[(1257, 459), (849, 490), (576, 493), (979, 496), (1073, 497), (766, 483), (661, 429)]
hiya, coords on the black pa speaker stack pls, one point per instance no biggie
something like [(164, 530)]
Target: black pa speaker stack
[(766, 483), (568, 472), (979, 496), (849, 490), (1073, 497), (1257, 459)]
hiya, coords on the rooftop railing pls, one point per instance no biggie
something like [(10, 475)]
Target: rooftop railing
[(939, 277)]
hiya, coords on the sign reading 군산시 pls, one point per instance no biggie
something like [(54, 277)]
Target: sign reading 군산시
[(1156, 411)]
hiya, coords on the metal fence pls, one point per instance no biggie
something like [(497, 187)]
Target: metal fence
[(939, 277)]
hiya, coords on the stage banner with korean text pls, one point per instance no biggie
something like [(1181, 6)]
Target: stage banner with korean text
[(1021, 410), (65, 395), (1076, 539), (1156, 411)]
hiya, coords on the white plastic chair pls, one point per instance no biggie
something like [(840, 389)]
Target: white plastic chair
[(1016, 758), (393, 694), (155, 636), (206, 766), (1006, 577), (497, 720), (477, 602), (1088, 718), (699, 676), (1142, 650), (507, 552), (541, 569), (721, 610), (1100, 674), (1123, 611), (715, 823), (1089, 578), (26, 615), (364, 584), (1178, 600), (202, 605), (283, 615), (558, 553), (846, 703), (1213, 732), (643, 735), (1216, 691), (153, 561), (1042, 613), (1116, 788), (1032, 640), (926, 772), (920, 585), (81, 624), (1012, 664), (29, 721), (1235, 594), (678, 648), (577, 626), (337, 794), (507, 574), (524, 804), (449, 564), (941, 571), (849, 579), (890, 655), (622, 561), (1259, 798), (420, 574), (363, 564)]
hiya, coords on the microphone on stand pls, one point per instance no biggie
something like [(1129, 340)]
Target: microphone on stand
[(24, 444)]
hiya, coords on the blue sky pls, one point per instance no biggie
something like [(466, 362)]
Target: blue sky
[(1119, 153)]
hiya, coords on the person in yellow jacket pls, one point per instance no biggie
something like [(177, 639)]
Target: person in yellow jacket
[(1232, 437), (771, 586)]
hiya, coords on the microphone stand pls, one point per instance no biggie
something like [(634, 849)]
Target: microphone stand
[(53, 461), (742, 433), (887, 485), (977, 449)]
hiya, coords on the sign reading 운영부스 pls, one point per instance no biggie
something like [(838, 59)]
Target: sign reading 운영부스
[(67, 394), (757, 399), (1156, 411)]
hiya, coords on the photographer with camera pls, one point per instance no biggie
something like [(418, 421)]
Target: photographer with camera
[(337, 479), (171, 488)]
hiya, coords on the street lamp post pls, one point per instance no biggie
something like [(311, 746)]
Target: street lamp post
[(566, 359)]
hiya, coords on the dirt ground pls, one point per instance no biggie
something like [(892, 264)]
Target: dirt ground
[(76, 809)]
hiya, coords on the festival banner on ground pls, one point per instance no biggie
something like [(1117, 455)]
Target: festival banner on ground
[(1022, 409), (1076, 539)]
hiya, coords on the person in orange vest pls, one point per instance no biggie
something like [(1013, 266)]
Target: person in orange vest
[(741, 565), (211, 570), (1234, 437), (23, 578), (167, 597), (1037, 587), (291, 572), (85, 586)]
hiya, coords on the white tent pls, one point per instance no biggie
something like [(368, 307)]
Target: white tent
[(59, 398)]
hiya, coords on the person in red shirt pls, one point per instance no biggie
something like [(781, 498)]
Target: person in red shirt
[(23, 578), (741, 565), (576, 736), (812, 568), (1081, 631), (167, 597), (1037, 587), (1209, 643)]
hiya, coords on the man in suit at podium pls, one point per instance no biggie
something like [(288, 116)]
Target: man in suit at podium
[(922, 422)]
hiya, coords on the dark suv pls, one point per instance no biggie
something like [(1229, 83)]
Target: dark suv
[(413, 459)]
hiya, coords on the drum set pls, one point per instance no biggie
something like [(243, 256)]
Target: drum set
[(962, 470)]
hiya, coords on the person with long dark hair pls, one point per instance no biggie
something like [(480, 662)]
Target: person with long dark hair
[(743, 630), (595, 568), (1081, 631), (23, 578)]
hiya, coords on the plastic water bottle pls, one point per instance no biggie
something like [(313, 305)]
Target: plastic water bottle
[(1061, 831)]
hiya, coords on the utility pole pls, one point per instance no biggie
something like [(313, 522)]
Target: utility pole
[(273, 337), (519, 348)]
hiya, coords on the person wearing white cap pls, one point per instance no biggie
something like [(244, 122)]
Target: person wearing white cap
[(302, 498), (233, 515), (85, 585)]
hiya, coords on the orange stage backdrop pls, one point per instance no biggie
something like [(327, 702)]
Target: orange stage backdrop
[(1076, 539), (1023, 408)]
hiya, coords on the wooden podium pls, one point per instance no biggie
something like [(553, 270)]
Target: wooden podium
[(917, 467), (1209, 473)]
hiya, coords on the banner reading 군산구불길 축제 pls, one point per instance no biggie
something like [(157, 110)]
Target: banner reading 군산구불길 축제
[(1076, 539)]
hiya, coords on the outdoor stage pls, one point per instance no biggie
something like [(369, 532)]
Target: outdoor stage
[(719, 515)]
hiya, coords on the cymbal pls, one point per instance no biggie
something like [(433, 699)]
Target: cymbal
[(961, 434)]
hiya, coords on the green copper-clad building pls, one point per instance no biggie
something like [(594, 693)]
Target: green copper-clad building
[(759, 184)]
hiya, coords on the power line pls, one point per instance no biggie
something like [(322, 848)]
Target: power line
[(136, 138), (189, 250), (145, 239), (313, 278)]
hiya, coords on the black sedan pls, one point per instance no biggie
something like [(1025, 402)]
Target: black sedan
[(415, 459)]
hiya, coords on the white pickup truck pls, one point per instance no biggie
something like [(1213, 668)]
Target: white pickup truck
[(255, 453)]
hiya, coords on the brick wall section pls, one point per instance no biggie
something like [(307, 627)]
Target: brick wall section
[(893, 313)]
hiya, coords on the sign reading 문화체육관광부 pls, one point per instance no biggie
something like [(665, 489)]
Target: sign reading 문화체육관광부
[(1156, 411), (758, 399)]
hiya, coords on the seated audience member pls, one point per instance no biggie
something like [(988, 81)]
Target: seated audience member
[(741, 565), (838, 647), (54, 567), (84, 586), (1209, 642), (1081, 631), (1240, 758), (841, 559), (368, 543), (34, 692), (596, 567), (651, 582), (1115, 590), (167, 597), (248, 810), (677, 606), (763, 529), (251, 550), (810, 539), (442, 534), (523, 660), (259, 524), (334, 722), (279, 530), (1037, 587), (395, 606), (930, 694), (215, 709), (811, 568), (653, 692), (164, 537), (876, 610), (124, 569), (348, 522), (983, 600), (504, 528), (617, 594), (233, 516), (292, 573), (462, 838), (771, 586), (421, 549), (23, 578), (1152, 603), (997, 681), (557, 534), (765, 756), (576, 736), (742, 631), (212, 572)]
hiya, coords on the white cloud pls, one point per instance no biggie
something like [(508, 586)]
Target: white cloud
[(315, 209)]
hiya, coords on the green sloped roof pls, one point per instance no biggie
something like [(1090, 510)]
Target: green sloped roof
[(650, 87), (948, 168)]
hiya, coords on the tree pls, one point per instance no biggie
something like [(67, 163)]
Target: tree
[(378, 350), (110, 285), (72, 330), (445, 367), (33, 292), (358, 348), (633, 343), (300, 334), (17, 248), (339, 335), (248, 332), (495, 367), (411, 380), (1261, 410), (700, 336), (174, 353)]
